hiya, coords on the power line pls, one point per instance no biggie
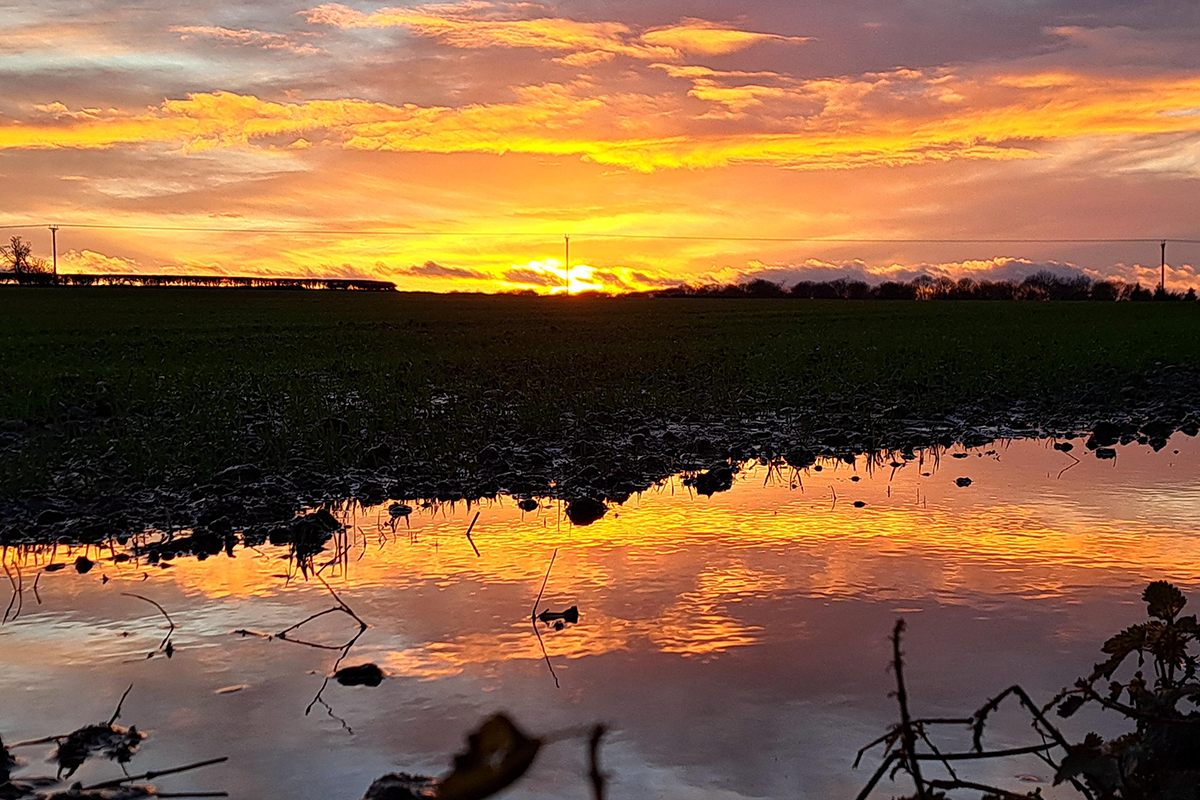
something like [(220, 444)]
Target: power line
[(631, 236)]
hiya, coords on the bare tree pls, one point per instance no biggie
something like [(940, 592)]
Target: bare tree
[(18, 258)]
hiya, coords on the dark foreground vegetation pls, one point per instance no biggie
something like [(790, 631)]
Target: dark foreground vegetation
[(213, 403), (1159, 759), (1042, 285)]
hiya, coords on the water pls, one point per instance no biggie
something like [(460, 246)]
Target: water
[(735, 645)]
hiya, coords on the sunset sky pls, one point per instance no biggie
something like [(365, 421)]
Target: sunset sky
[(488, 130)]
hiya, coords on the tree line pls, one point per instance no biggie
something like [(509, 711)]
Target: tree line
[(1041, 285)]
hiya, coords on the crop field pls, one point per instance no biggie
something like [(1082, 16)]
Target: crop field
[(169, 385)]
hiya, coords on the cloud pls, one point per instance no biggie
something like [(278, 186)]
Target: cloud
[(474, 24), (1000, 268), (702, 37), (89, 261), (893, 118), (246, 37), (432, 269)]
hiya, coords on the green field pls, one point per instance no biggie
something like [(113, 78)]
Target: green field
[(168, 385)]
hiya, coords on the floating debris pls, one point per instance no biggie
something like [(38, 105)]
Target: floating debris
[(359, 675), (402, 786), (106, 741), (962, 482), (571, 615)]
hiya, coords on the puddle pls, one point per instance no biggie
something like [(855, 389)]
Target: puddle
[(736, 645)]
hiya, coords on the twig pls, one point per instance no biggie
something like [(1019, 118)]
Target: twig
[(1046, 729), (469, 527), (594, 774), (909, 739), (879, 773), (16, 592), (545, 655), (989, 791), (537, 602), (37, 578), (43, 740), (152, 774), (1069, 466), (166, 639), (120, 703), (283, 633), (972, 755), (934, 749)]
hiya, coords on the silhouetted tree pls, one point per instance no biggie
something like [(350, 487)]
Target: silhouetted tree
[(1108, 290), (1138, 294), (857, 290), (18, 258), (761, 287), (893, 290)]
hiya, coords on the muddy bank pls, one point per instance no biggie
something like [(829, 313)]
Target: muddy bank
[(603, 459)]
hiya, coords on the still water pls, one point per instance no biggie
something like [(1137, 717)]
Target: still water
[(736, 645)]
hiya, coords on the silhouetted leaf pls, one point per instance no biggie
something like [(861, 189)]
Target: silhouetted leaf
[(1125, 642), (1163, 600), (497, 754), (1105, 669), (1083, 759), (1070, 705)]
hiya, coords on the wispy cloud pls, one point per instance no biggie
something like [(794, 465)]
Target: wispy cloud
[(246, 37)]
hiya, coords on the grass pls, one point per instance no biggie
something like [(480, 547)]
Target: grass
[(169, 385)]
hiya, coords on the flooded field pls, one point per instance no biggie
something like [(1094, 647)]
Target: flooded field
[(735, 645)]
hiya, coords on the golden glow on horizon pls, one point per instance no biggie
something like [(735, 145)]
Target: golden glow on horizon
[(678, 126)]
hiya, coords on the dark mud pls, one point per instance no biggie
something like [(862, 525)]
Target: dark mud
[(603, 459)]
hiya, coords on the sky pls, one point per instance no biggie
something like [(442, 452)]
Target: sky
[(451, 146)]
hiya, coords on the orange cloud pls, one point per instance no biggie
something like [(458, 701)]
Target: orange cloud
[(478, 24), (899, 117), (709, 38)]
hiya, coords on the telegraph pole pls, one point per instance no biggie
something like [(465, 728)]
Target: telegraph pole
[(567, 260), (54, 249), (1163, 266)]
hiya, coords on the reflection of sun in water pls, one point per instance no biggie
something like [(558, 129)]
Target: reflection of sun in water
[(551, 274)]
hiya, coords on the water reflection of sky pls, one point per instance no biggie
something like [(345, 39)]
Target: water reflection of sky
[(736, 644)]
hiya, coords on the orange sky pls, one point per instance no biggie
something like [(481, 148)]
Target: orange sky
[(488, 130)]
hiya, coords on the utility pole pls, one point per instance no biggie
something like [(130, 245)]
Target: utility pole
[(54, 249), (567, 261), (1163, 267)]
